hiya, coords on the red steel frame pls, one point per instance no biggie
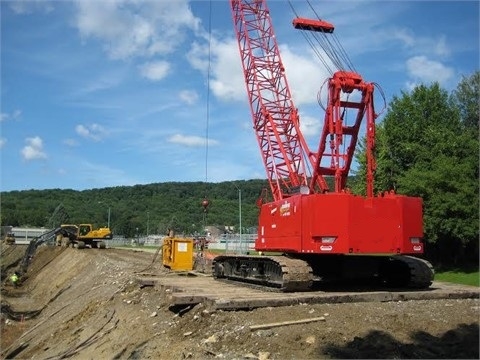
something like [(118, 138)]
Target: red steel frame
[(341, 138), (275, 118), (316, 221)]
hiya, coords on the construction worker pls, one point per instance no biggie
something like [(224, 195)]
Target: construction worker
[(14, 279)]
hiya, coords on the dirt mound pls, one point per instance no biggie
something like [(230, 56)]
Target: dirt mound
[(88, 304)]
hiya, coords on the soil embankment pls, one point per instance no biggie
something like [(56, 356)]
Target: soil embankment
[(89, 304)]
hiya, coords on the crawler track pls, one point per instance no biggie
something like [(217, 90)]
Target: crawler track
[(421, 272), (279, 272), (287, 274)]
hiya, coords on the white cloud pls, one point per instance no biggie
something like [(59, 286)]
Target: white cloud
[(190, 140), (405, 36), (379, 29), (3, 141), (422, 69), (156, 70), (94, 132), (22, 7), (304, 74), (441, 48), (197, 56), (189, 97), (410, 85), (415, 43), (111, 176), (70, 142), (135, 28), (34, 149), (103, 81), (13, 116), (226, 76), (310, 126)]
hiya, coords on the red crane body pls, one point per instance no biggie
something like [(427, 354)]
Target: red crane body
[(306, 219)]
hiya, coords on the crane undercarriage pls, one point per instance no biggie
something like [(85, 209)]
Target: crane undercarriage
[(289, 274)]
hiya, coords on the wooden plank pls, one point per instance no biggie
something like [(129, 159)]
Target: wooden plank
[(188, 290), (234, 303), (283, 323), (186, 299)]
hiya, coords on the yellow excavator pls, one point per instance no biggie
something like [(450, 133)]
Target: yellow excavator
[(83, 235)]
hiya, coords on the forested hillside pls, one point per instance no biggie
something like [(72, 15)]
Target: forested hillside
[(151, 208)]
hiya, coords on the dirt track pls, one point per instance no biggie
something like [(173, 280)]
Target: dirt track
[(89, 304)]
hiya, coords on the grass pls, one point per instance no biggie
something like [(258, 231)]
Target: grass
[(459, 277)]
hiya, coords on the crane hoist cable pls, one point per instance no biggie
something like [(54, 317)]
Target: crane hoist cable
[(313, 47), (205, 201), (341, 51), (208, 89), (330, 45)]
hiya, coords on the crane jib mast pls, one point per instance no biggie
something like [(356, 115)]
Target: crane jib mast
[(314, 226)]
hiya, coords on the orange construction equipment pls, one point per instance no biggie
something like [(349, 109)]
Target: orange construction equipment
[(177, 253)]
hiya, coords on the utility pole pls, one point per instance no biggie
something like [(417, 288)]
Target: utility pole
[(108, 214), (148, 221), (240, 216)]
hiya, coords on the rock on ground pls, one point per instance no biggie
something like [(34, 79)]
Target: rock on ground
[(87, 304)]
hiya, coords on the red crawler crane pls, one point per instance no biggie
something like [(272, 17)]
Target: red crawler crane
[(325, 234)]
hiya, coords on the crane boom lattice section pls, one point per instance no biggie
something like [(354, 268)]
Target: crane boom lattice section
[(275, 118)]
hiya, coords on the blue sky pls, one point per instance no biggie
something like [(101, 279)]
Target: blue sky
[(98, 93)]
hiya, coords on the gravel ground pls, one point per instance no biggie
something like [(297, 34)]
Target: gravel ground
[(87, 304)]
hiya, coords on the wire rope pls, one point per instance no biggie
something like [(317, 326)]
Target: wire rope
[(208, 87), (205, 201), (329, 43)]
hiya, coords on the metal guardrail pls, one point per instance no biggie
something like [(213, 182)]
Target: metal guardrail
[(234, 243), (120, 241)]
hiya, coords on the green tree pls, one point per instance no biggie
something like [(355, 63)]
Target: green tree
[(427, 146), (466, 99)]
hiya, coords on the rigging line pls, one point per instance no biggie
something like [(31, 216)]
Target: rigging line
[(324, 43), (318, 53), (323, 40), (310, 42), (208, 92), (329, 49), (338, 49), (344, 54), (293, 9)]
